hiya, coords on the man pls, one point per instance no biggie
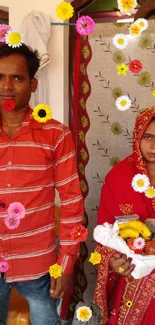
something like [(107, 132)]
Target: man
[(35, 158)]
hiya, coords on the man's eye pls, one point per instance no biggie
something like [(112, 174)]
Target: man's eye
[(18, 78)]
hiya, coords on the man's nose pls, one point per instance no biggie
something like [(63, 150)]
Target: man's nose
[(8, 83)]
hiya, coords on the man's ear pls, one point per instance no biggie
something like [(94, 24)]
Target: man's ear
[(34, 84)]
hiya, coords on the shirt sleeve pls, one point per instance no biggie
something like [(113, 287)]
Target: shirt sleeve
[(71, 212)]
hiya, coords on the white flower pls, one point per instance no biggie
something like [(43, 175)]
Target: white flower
[(120, 41), (140, 183), (150, 192), (139, 243), (143, 23), (126, 6), (14, 38), (84, 314), (123, 103)]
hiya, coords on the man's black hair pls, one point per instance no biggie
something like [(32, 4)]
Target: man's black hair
[(31, 56)]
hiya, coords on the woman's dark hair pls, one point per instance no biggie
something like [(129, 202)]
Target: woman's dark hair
[(31, 56)]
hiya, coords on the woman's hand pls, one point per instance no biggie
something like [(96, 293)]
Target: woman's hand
[(120, 264)]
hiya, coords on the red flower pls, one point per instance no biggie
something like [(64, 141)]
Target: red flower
[(9, 104), (135, 66), (79, 233)]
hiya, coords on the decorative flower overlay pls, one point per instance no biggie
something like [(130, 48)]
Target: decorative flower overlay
[(85, 25), (120, 41), (4, 29), (116, 128), (140, 183), (135, 30), (95, 258), (42, 113), (144, 79), (119, 57), (11, 221), (153, 92), (129, 304), (145, 42), (17, 209), (64, 10), (150, 192), (123, 103), (4, 266), (8, 104), (84, 314), (143, 23), (14, 38), (122, 69), (117, 92), (139, 243), (55, 271), (126, 6), (79, 233), (135, 66)]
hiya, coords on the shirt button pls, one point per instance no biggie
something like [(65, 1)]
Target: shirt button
[(9, 185), (9, 163)]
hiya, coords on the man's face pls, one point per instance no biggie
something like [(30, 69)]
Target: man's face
[(15, 83), (147, 145)]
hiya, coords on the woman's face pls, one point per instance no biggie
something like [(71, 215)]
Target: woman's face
[(147, 145)]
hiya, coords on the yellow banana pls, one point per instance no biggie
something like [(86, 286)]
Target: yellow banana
[(137, 225), (128, 233)]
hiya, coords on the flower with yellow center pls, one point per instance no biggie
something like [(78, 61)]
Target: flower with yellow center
[(143, 23), (126, 6), (135, 30), (150, 192), (153, 92), (95, 258), (42, 113), (140, 183), (122, 69), (123, 103), (14, 38), (83, 314), (120, 41), (55, 271), (64, 10)]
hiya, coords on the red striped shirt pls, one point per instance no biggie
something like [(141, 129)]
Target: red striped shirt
[(35, 161)]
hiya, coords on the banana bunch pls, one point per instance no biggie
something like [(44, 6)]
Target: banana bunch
[(134, 229)]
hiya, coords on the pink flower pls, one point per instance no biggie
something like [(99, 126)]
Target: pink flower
[(79, 233), (12, 221), (3, 31), (85, 25), (4, 266), (17, 209)]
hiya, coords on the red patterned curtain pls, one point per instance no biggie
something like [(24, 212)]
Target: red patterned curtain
[(81, 124)]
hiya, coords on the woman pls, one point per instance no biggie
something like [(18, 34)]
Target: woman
[(122, 299)]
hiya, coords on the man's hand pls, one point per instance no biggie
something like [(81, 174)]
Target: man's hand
[(121, 265), (59, 286)]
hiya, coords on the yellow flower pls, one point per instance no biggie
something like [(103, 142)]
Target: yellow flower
[(126, 5), (85, 87), (64, 10), (83, 69), (55, 271), (84, 121), (83, 186), (129, 304), (135, 30), (86, 52), (42, 113), (122, 69), (14, 38), (84, 314), (82, 136), (153, 92), (84, 154), (95, 258), (82, 103)]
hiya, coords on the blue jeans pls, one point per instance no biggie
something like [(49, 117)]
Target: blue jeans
[(43, 308)]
